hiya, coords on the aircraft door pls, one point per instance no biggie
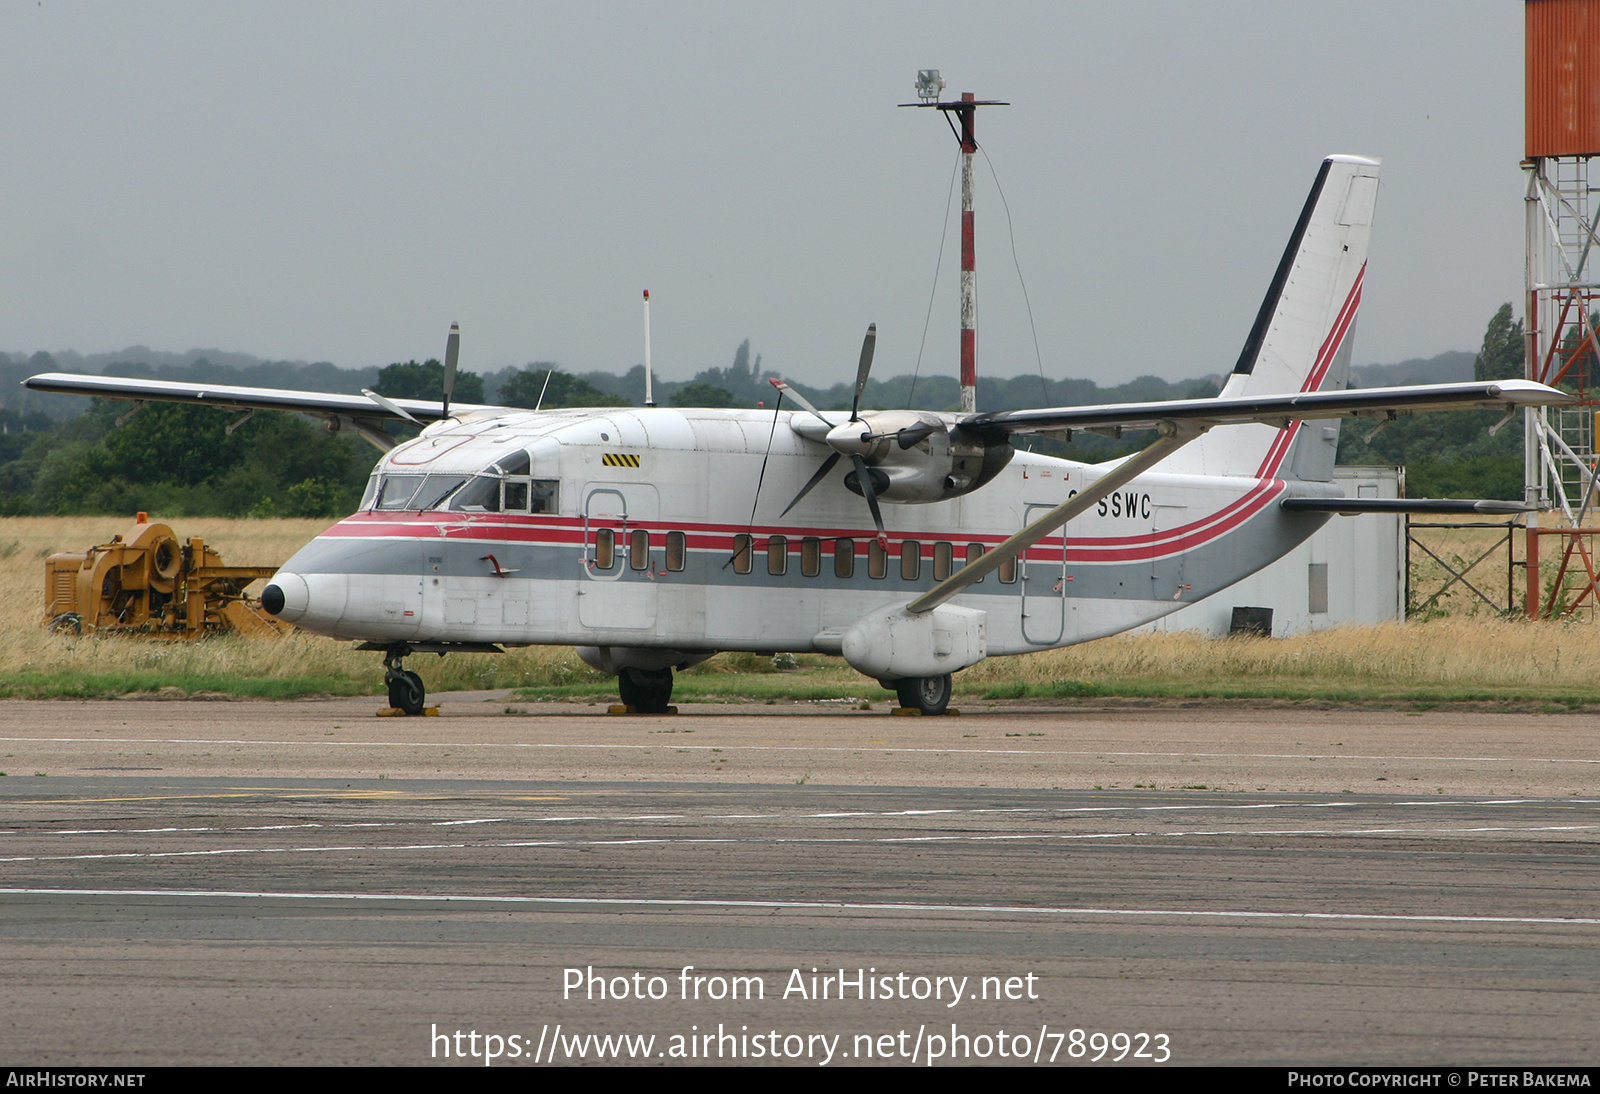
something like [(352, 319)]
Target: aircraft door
[(622, 549), (1167, 580), (1042, 573)]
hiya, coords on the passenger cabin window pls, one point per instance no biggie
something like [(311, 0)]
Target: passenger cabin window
[(810, 556), (941, 561), (910, 560), (675, 551), (1008, 571), (877, 560), (742, 550), (605, 549), (975, 551), (777, 555), (639, 549), (844, 558)]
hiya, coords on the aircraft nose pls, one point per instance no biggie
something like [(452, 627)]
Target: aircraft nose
[(286, 597)]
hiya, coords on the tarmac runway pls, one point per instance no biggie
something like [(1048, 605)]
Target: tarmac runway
[(265, 883)]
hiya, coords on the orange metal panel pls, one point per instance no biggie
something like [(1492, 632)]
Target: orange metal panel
[(1562, 100)]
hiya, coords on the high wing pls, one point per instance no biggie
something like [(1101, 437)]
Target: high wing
[(357, 412), (1377, 402), (1182, 420)]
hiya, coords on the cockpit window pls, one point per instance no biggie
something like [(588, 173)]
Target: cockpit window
[(482, 495), (396, 490), (435, 489), (512, 463), (505, 487), (415, 491)]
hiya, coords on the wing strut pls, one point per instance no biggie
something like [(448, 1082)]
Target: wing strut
[(1174, 435)]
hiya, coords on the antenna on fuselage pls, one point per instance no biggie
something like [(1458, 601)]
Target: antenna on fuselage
[(649, 398), (452, 351)]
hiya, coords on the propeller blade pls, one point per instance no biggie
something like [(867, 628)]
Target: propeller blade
[(387, 405), (868, 344), (822, 473), (805, 404), (864, 477), (452, 350)]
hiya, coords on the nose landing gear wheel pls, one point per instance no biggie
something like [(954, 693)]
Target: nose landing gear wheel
[(929, 694), (406, 692)]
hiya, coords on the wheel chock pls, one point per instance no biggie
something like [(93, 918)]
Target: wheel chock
[(913, 712), (396, 712), (624, 708)]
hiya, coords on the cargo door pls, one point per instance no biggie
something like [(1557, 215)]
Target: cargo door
[(1042, 572)]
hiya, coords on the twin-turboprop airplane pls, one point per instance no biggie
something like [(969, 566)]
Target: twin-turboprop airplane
[(912, 543)]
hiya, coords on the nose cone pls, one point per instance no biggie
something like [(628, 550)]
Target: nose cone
[(286, 597)]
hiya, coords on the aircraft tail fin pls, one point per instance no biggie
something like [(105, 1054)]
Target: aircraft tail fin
[(1303, 333)]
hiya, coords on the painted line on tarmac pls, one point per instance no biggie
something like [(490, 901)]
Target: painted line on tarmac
[(691, 841), (886, 750), (1380, 919), (1021, 812)]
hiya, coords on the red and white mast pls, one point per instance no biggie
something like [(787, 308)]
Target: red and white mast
[(966, 109)]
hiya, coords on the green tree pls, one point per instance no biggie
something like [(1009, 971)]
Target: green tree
[(1453, 455), (563, 389), (409, 380), (1501, 357), (698, 393)]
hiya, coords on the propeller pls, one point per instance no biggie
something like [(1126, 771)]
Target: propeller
[(839, 437), (452, 351)]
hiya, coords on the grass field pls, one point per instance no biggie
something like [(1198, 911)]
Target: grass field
[(1459, 657)]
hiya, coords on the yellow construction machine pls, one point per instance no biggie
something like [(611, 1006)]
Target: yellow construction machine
[(149, 583)]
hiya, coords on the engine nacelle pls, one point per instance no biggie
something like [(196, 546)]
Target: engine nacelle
[(917, 457)]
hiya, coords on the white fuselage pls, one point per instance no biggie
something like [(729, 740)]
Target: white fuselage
[(684, 506)]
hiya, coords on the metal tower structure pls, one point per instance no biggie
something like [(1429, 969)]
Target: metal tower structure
[(1562, 285), (966, 109)]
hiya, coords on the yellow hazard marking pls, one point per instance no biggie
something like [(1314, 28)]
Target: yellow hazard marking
[(619, 459)]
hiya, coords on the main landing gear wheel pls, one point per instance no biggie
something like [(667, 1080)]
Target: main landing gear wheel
[(645, 691), (405, 688), (929, 694)]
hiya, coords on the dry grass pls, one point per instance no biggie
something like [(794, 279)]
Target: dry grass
[(33, 661), (1482, 543), (1452, 658)]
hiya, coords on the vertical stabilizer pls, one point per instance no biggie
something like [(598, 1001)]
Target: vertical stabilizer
[(1302, 335)]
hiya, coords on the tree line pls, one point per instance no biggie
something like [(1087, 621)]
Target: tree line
[(63, 455)]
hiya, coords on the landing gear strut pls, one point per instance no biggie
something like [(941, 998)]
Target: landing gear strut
[(647, 691), (405, 688), (929, 694)]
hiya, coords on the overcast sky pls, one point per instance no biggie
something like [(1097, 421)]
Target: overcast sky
[(342, 181)]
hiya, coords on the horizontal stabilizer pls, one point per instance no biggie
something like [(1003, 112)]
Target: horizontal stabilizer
[(1356, 506)]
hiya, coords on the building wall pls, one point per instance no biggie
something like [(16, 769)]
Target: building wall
[(1365, 559)]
